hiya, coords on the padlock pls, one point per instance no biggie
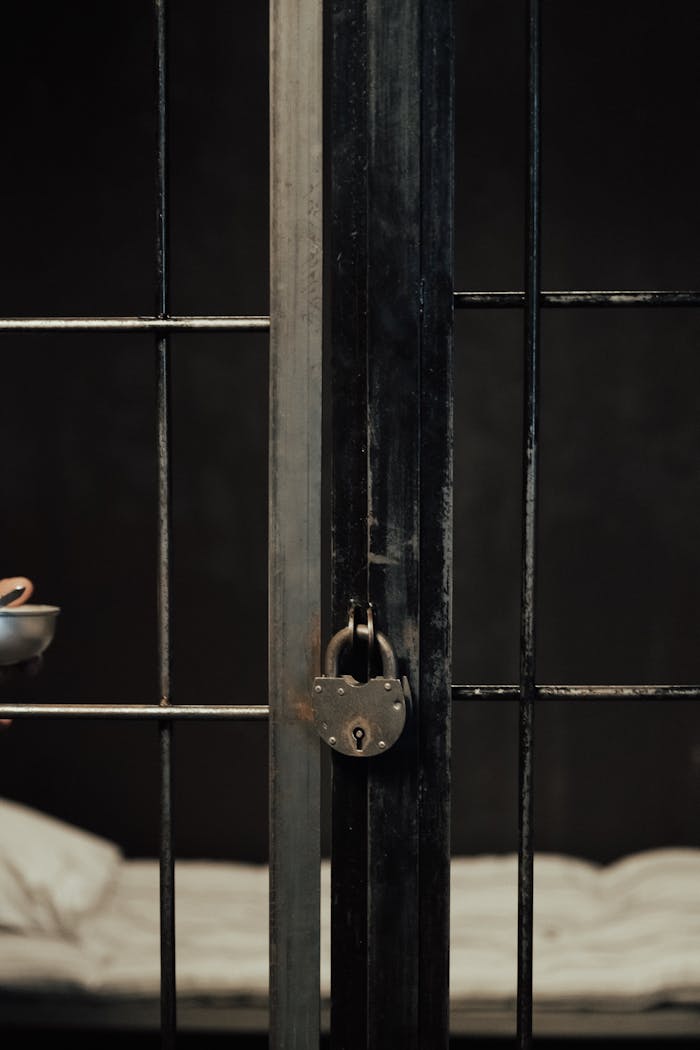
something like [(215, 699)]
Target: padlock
[(359, 719)]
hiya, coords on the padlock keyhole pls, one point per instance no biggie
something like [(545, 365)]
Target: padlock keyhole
[(359, 735)]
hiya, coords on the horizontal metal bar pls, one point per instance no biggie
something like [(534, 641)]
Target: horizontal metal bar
[(149, 712), (499, 300), (260, 712), (134, 324), (579, 692), (258, 323)]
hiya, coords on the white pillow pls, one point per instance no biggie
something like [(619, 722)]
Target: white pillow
[(51, 873)]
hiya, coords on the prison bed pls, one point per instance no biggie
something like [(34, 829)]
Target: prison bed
[(616, 949)]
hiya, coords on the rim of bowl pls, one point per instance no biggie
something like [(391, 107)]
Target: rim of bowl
[(30, 610)]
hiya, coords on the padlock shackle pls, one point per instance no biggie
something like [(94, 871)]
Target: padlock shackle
[(343, 638)]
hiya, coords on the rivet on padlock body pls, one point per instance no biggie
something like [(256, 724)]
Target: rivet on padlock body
[(359, 719)]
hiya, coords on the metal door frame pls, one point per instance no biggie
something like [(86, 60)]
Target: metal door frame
[(391, 121), (296, 310)]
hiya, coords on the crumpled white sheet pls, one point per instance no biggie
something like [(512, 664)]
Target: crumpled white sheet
[(625, 936), (621, 937), (51, 873)]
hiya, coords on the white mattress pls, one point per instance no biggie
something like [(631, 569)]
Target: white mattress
[(623, 937)]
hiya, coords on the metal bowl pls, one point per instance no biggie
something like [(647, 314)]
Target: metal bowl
[(25, 631)]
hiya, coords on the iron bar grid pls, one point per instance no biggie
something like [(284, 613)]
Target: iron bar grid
[(513, 300), (529, 531), (532, 300), (135, 324)]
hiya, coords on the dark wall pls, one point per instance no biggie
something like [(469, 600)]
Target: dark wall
[(620, 566)]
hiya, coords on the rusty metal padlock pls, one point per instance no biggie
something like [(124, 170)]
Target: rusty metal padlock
[(360, 719)]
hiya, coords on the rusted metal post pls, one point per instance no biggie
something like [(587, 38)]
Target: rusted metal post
[(295, 518)]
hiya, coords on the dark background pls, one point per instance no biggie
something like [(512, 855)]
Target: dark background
[(620, 467)]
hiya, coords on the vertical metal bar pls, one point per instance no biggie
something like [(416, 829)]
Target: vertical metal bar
[(527, 613), (295, 518), (165, 729), (167, 891), (393, 542), (436, 481), (348, 254), (391, 131)]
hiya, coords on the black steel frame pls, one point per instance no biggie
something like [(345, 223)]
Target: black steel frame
[(391, 318), (391, 100)]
